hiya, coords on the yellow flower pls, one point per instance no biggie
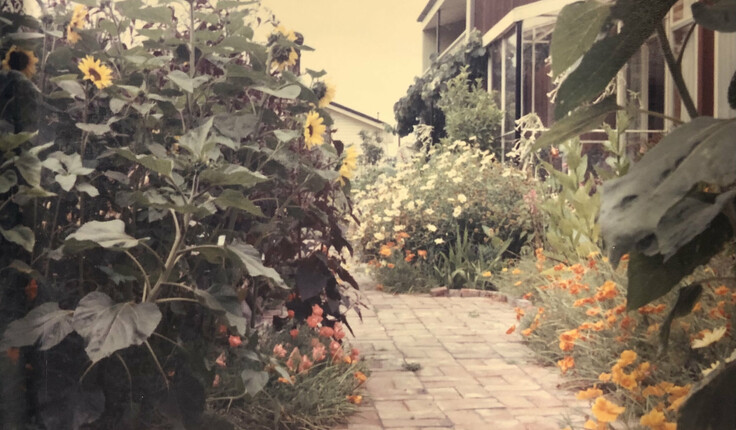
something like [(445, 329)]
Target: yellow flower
[(314, 128), (592, 425), (566, 363), (627, 357), (327, 95), (516, 272), (93, 70), (78, 16), (20, 60), (72, 36), (653, 390), (655, 420), (606, 411), (286, 60), (349, 163), (588, 394), (486, 274)]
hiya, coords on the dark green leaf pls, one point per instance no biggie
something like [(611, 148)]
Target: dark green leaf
[(107, 234), (254, 380), (232, 175), (651, 277), (47, 323), (606, 57), (108, 326), (286, 135), (151, 162), (577, 27), (720, 16), (251, 260), (183, 81), (20, 235), (657, 191), (8, 142), (157, 14), (581, 120), (29, 167), (235, 199), (710, 405), (287, 92), (222, 298), (236, 126)]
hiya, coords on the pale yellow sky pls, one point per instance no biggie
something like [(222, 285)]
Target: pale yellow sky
[(371, 49)]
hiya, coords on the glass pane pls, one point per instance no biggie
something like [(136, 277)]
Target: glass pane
[(510, 78)]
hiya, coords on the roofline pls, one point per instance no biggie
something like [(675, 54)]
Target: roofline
[(378, 122), (426, 10)]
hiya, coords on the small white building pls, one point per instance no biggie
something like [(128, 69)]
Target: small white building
[(348, 123)]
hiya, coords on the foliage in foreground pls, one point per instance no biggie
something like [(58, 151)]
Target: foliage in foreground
[(163, 176)]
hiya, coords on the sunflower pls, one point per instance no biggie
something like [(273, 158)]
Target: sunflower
[(325, 92), (20, 60), (288, 34), (79, 15), (93, 70), (314, 128), (284, 57), (72, 36), (349, 164)]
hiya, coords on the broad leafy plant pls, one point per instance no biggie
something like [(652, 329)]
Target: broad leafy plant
[(163, 173), (674, 209)]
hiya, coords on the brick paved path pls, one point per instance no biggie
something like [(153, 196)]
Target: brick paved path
[(473, 375)]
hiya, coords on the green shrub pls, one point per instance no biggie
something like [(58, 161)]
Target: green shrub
[(471, 114)]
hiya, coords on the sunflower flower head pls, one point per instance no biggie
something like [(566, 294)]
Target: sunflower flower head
[(349, 164), (314, 129), (325, 92), (79, 15), (94, 71), (20, 60)]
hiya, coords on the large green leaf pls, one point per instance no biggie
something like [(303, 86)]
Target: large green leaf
[(236, 126), (644, 209), (251, 260), (254, 380), (108, 326), (29, 167), (183, 81), (8, 142), (720, 16), (712, 404), (47, 323), (231, 175), (222, 298), (606, 57), (651, 277), (577, 27), (235, 199), (20, 235), (107, 234), (579, 121), (287, 92), (158, 165), (195, 140)]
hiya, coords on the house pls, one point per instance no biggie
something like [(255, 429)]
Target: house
[(348, 123), (517, 35)]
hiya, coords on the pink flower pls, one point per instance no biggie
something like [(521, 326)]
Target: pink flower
[(279, 351), (294, 358), (313, 320), (318, 352), (234, 341), (316, 310), (221, 360), (335, 349), (354, 354), (216, 382), (294, 333), (339, 333), (326, 332), (305, 364)]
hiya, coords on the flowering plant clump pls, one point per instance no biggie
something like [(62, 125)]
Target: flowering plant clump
[(455, 195), (310, 371), (639, 364)]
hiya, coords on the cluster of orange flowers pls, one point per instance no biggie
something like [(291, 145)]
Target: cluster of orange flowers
[(387, 250)]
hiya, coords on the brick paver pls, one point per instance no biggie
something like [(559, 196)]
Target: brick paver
[(473, 375)]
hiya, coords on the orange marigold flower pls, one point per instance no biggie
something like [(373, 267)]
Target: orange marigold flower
[(653, 390), (627, 322), (559, 267), (285, 381), (360, 376), (583, 301), (676, 403), (519, 313), (511, 329), (356, 399), (385, 251), (294, 333), (516, 272), (592, 425), (722, 290), (234, 341), (606, 411), (527, 296), (604, 377), (593, 312), (627, 357), (588, 394), (314, 320), (567, 339), (390, 265), (606, 291), (422, 253), (611, 319), (599, 325), (409, 257), (578, 269), (527, 332), (655, 420), (402, 235), (566, 364), (698, 306)]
